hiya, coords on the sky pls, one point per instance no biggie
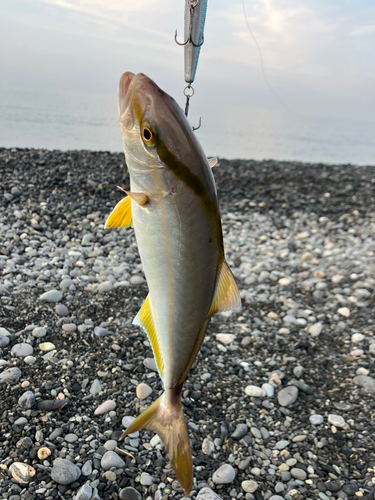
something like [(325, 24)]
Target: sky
[(318, 55)]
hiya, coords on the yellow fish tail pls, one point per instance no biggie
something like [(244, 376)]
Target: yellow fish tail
[(166, 418)]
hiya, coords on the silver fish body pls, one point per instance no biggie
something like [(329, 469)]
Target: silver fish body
[(177, 225)]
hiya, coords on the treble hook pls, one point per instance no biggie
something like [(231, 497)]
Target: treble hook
[(193, 4), (189, 40), (188, 97)]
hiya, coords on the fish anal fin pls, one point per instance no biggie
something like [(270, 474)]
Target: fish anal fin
[(121, 215), (227, 296), (212, 161), (145, 320), (167, 420)]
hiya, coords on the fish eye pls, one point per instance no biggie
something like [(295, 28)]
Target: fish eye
[(147, 134)]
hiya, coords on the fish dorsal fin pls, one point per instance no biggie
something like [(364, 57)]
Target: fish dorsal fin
[(227, 296), (212, 161), (121, 215), (145, 320)]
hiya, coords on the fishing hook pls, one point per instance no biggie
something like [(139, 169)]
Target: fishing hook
[(188, 96), (193, 4)]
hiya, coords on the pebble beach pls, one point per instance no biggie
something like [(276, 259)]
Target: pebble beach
[(280, 403)]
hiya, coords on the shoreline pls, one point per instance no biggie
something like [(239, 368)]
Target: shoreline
[(281, 393)]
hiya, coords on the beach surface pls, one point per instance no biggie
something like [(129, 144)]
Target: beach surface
[(280, 401)]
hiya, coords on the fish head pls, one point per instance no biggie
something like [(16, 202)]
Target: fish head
[(152, 123)]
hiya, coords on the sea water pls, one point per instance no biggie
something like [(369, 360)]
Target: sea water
[(82, 121)]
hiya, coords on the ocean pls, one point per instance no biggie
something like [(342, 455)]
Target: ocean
[(68, 121)]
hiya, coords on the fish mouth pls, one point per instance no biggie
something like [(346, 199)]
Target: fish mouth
[(135, 98)]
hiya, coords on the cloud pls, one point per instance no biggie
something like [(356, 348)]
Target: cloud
[(363, 30)]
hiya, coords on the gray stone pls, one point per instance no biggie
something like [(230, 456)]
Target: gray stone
[(84, 493), (316, 419), (61, 310), (29, 360), (287, 396), (207, 494), (87, 468), (27, 400), (137, 280), (368, 383), (21, 421), (100, 331), (66, 284), (10, 376), (4, 341), (208, 446), (110, 476), (22, 350), (64, 472), (110, 445), (96, 387), (111, 459), (51, 296), (130, 493), (268, 389), (280, 445), (298, 371), (39, 332), (249, 486), (224, 474), (4, 332), (336, 420), (105, 286), (240, 431), (105, 407), (150, 363), (146, 480), (298, 474), (315, 329), (126, 421), (71, 438), (55, 433), (143, 390)]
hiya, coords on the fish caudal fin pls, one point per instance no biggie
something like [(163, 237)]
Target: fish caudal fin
[(168, 421)]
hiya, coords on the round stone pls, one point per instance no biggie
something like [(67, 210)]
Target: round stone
[(51, 296), (129, 493), (22, 473), (64, 472), (69, 327), (96, 387), (105, 407), (249, 486), (336, 420), (208, 446), (280, 445), (316, 419), (22, 350), (105, 286), (66, 284), (224, 474), (284, 281), (357, 337), (61, 310), (10, 376), (240, 431), (344, 311), (150, 363), (4, 341), (84, 493), (368, 383), (146, 480), (143, 391), (21, 421), (225, 338), (268, 389), (287, 396), (110, 445), (110, 476), (27, 400), (44, 453), (30, 360), (111, 459), (137, 280), (315, 329), (39, 332), (4, 332), (71, 438), (298, 474), (253, 390), (100, 331), (47, 346)]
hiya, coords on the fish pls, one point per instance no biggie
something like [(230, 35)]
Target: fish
[(172, 205)]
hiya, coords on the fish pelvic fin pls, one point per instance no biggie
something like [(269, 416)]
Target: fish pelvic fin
[(227, 296), (166, 418), (121, 215), (145, 320)]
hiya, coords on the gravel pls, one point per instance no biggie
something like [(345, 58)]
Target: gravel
[(295, 366)]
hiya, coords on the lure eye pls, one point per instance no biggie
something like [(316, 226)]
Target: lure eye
[(147, 135)]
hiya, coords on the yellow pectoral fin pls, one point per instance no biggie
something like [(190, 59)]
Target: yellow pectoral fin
[(227, 296), (145, 320), (121, 215)]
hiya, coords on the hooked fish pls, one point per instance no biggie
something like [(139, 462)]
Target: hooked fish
[(173, 207)]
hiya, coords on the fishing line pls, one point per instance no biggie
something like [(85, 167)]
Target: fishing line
[(262, 64)]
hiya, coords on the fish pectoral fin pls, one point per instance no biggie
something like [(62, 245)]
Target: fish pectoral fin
[(145, 320), (121, 215), (169, 423), (227, 296), (212, 161), (140, 198)]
